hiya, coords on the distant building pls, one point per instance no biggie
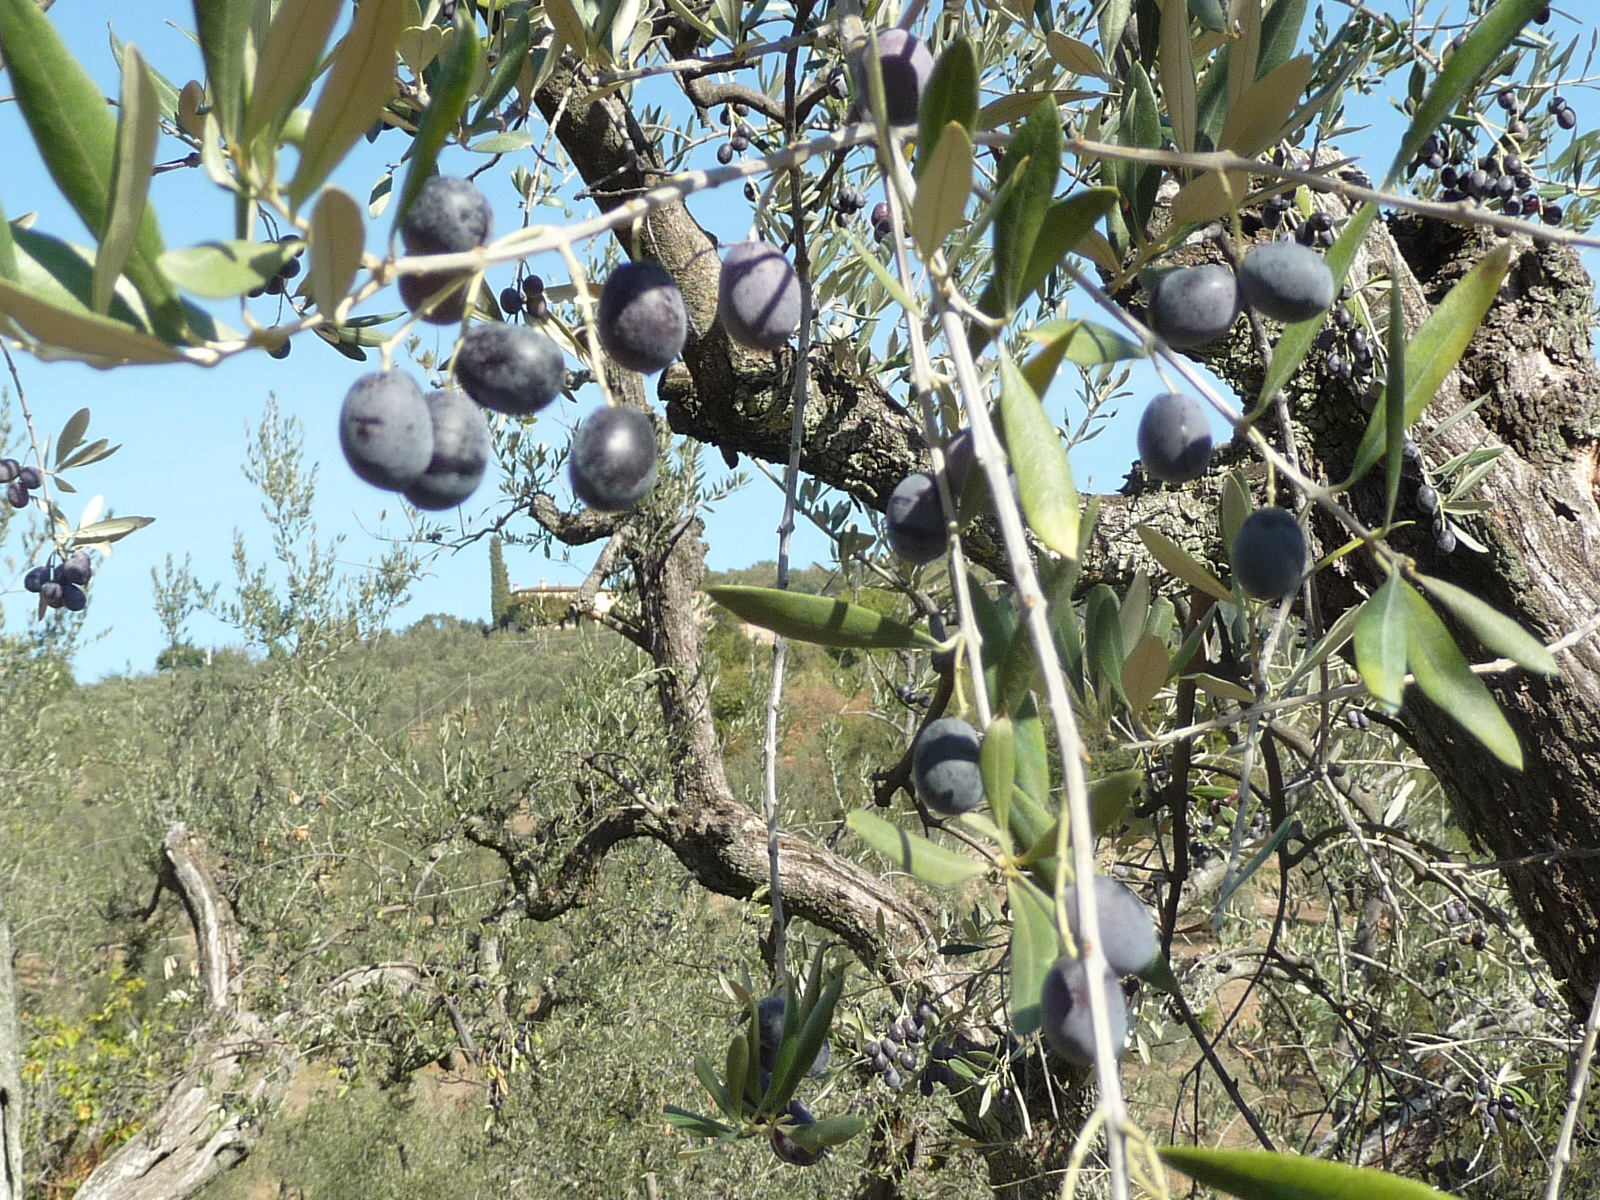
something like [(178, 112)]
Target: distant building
[(551, 603)]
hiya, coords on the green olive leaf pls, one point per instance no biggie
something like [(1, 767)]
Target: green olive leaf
[(1177, 72), (287, 61), (71, 435), (1494, 629), (819, 619), (113, 529), (228, 268), (515, 41), (828, 1131), (334, 245), (1177, 562), (1267, 1175), (718, 1091), (912, 853), (1044, 477), (1257, 118), (1140, 128), (1380, 644), (77, 137), (222, 26), (951, 95), (82, 335), (799, 1050), (1035, 946), (1075, 56), (1031, 164), (1210, 15), (943, 191), (1395, 414), (997, 759), (1102, 639), (447, 100), (1443, 675), (1434, 350), (694, 1123), (1144, 671), (360, 85), (1064, 228)]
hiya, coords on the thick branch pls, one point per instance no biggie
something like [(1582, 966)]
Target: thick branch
[(213, 1114), (10, 1073)]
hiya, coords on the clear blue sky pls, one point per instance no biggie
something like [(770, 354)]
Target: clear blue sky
[(183, 429)]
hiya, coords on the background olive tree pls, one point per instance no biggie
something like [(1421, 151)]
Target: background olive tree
[(1245, 746)]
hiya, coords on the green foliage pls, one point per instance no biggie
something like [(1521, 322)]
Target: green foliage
[(384, 795)]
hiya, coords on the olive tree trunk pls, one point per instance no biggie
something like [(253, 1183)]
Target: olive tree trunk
[(1531, 362)]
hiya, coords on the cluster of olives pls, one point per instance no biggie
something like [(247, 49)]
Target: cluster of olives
[(528, 298), (20, 481), (739, 135), (61, 586), (1500, 179), (893, 1053), (1283, 280), (434, 449), (431, 448), (1499, 1109), (1349, 350), (1128, 941), (279, 283)]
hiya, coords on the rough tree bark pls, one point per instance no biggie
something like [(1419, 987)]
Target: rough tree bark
[(213, 1114), (1533, 362)]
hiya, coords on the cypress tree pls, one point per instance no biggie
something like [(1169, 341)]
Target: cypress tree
[(499, 586)]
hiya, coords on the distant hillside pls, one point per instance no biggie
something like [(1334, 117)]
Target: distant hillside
[(815, 579)]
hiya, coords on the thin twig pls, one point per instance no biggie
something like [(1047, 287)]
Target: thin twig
[(1580, 1082)]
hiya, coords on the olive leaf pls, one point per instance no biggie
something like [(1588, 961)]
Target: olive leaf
[(1267, 1175), (1380, 644), (819, 619), (911, 852), (360, 84), (447, 100), (287, 60)]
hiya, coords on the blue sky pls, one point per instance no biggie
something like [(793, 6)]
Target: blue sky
[(183, 429)]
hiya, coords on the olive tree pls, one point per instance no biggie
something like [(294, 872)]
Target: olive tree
[(1118, 665)]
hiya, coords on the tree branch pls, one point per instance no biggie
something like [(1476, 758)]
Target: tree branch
[(213, 1115)]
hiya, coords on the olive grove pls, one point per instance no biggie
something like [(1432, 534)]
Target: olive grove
[(1315, 710)]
